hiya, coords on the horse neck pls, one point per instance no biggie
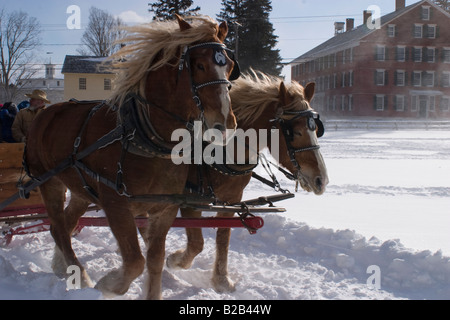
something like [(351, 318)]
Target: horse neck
[(163, 93), (261, 124)]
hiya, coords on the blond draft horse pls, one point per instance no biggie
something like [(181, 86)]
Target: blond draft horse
[(162, 63), (257, 102)]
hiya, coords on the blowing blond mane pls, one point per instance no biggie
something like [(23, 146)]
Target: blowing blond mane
[(255, 91), (156, 39)]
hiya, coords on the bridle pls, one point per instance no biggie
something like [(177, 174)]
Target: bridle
[(314, 124), (146, 141), (220, 53)]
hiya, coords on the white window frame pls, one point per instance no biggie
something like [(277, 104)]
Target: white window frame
[(380, 71), (420, 50), (418, 26), (414, 78), (433, 50), (401, 57), (380, 97), (401, 74), (400, 103), (426, 13), (391, 30)]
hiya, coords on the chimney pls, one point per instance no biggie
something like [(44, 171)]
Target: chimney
[(339, 27), (400, 4), (367, 16), (350, 24)]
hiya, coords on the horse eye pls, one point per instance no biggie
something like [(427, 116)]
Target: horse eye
[(298, 133), (201, 67)]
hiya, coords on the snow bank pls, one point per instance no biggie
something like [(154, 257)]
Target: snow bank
[(285, 260)]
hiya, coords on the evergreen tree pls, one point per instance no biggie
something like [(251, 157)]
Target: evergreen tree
[(445, 4), (254, 39), (166, 9)]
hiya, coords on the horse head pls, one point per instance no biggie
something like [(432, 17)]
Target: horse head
[(210, 67), (301, 126)]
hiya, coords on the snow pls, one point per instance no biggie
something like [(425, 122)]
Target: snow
[(386, 209)]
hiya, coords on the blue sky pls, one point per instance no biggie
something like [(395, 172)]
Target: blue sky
[(300, 24)]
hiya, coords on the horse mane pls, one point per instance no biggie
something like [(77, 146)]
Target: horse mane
[(152, 45), (255, 91)]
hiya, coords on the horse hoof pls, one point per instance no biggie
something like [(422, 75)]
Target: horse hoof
[(175, 261), (112, 285), (223, 284)]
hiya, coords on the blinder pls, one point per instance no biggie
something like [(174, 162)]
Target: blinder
[(314, 123), (236, 73)]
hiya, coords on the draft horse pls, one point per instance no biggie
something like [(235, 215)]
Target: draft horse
[(259, 102), (168, 78)]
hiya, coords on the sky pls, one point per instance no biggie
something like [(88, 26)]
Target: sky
[(300, 24)]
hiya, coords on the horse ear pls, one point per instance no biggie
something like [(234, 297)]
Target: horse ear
[(183, 24), (283, 94), (309, 91), (223, 31)]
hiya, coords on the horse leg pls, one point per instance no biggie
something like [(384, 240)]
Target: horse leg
[(63, 223), (183, 259), (220, 279), (159, 226), (123, 226)]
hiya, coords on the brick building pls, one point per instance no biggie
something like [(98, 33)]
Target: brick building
[(397, 66)]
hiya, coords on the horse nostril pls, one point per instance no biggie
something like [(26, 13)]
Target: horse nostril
[(319, 183)]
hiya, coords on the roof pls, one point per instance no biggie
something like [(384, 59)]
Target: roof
[(347, 39), (85, 64)]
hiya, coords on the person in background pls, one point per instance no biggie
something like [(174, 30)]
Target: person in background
[(23, 105), (23, 120), (7, 115)]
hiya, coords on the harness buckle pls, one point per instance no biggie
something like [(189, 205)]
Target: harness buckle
[(197, 101)]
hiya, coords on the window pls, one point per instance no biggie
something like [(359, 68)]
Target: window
[(428, 79), (445, 104), (379, 98), (380, 77), (391, 31), (432, 107), (400, 78), (431, 31), (82, 83), (343, 79), (380, 54), (418, 31), (417, 78), (401, 54), (350, 79), (350, 103), (445, 80), (417, 54), (107, 84), (431, 55), (426, 10), (414, 103), (399, 103), (446, 55)]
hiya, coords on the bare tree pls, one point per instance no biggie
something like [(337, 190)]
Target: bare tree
[(445, 4), (19, 36), (102, 32)]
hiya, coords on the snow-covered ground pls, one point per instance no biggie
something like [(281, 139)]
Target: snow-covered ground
[(387, 207)]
